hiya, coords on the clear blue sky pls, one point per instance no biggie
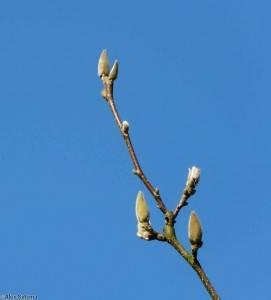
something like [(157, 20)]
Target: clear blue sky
[(194, 85)]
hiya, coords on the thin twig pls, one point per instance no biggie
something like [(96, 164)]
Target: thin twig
[(194, 263), (107, 93), (182, 203)]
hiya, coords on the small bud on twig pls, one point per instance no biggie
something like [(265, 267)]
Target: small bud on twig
[(114, 71), (125, 127), (134, 171), (194, 233), (103, 64), (142, 210)]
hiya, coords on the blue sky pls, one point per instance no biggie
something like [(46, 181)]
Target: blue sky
[(194, 85)]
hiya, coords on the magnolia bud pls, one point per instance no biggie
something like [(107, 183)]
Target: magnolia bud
[(114, 71), (193, 176), (103, 64), (125, 127), (142, 210), (194, 232)]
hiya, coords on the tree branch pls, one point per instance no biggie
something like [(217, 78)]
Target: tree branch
[(107, 93), (145, 230), (194, 263)]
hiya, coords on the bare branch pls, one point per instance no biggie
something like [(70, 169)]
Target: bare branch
[(145, 230), (182, 203), (107, 93), (194, 263)]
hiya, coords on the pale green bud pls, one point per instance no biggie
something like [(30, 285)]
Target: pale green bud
[(114, 71), (142, 210), (194, 231), (103, 64)]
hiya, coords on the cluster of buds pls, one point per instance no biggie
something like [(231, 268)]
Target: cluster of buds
[(144, 229), (192, 180), (194, 233), (104, 67)]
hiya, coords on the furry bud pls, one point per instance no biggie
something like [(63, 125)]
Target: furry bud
[(194, 231), (193, 176), (114, 71), (103, 64), (142, 210)]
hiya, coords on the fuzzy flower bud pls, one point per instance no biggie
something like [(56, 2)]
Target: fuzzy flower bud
[(142, 210), (114, 71), (193, 176), (194, 231), (103, 64)]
